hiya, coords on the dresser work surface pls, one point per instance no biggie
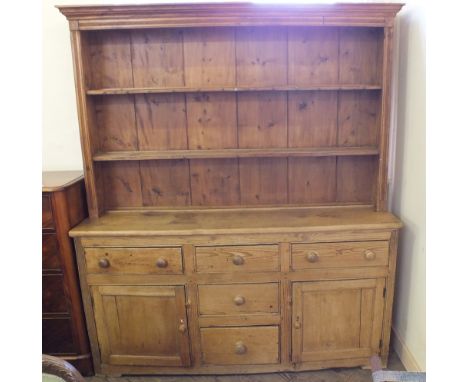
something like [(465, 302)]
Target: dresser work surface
[(236, 170)]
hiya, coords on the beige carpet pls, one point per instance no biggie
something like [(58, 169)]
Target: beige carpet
[(331, 375)]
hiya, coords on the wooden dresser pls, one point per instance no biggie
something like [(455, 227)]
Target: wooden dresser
[(236, 160), (63, 325)]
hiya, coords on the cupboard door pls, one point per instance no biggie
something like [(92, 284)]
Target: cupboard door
[(142, 325), (337, 319)]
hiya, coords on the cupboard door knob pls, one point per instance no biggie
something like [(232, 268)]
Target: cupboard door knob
[(238, 260), (240, 348), (369, 255), (161, 263), (104, 263), (239, 300), (312, 257), (182, 326)]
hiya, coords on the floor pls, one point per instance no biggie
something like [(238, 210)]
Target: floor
[(331, 375)]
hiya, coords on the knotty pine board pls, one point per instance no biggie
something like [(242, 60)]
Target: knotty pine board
[(247, 56)]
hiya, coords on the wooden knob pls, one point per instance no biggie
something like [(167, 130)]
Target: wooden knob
[(238, 260), (297, 325), (161, 263), (104, 263), (239, 300), (312, 257), (182, 326), (369, 255), (240, 348)]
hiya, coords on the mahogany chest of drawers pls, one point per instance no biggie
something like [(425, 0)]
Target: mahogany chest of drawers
[(63, 329)]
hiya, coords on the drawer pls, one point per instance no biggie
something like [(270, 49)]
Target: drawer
[(332, 255), (229, 299), (50, 252), (47, 217), (134, 260), (53, 294), (242, 258), (57, 336), (240, 345)]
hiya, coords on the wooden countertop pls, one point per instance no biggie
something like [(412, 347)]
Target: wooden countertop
[(57, 180), (234, 221)]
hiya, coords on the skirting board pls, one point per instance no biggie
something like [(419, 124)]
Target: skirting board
[(406, 357)]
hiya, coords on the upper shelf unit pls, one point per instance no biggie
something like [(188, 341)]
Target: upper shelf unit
[(233, 105)]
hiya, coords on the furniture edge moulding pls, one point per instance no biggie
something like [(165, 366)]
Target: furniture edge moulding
[(228, 14)]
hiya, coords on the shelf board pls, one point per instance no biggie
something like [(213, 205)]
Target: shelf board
[(110, 91), (235, 153)]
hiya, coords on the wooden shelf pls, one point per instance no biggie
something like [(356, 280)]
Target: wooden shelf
[(145, 90), (235, 153)]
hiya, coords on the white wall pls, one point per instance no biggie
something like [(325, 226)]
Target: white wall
[(409, 196), (60, 138)]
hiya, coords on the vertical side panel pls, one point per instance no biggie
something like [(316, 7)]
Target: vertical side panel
[(390, 285), (165, 183), (312, 180), (214, 182), (313, 56), (382, 185), (312, 119), (261, 56), (87, 135), (157, 57), (209, 55)]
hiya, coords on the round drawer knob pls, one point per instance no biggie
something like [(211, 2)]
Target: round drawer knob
[(239, 300), (182, 328), (104, 263), (369, 255), (238, 260), (161, 263), (312, 257), (240, 348)]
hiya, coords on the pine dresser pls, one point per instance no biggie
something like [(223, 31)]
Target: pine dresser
[(236, 161)]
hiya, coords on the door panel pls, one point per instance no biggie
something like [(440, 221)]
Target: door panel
[(337, 319), (142, 325)]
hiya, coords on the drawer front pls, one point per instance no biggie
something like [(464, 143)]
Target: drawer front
[(134, 260), (57, 336), (47, 217), (50, 252), (232, 299), (240, 345), (248, 258), (331, 255), (53, 294)]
